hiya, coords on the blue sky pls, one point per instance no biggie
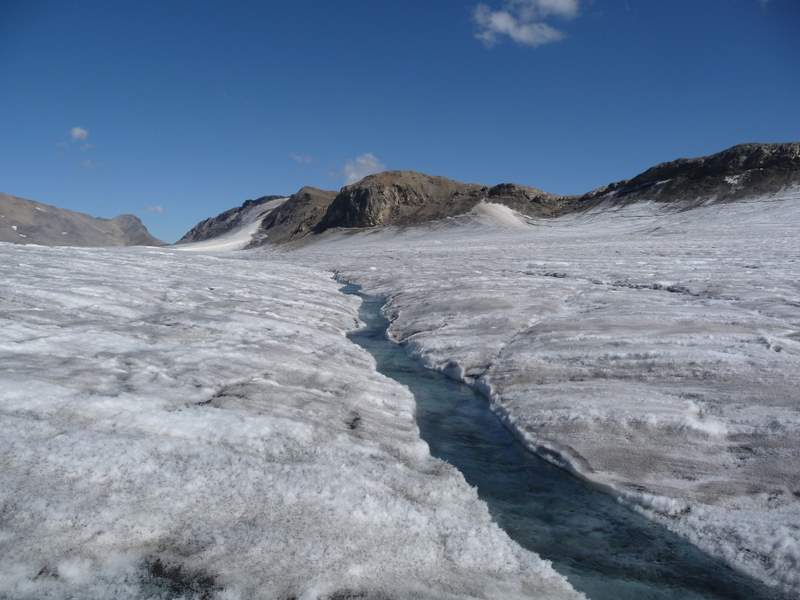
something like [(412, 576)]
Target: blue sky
[(177, 110)]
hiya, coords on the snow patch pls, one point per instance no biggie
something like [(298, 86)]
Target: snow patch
[(498, 215), (733, 179), (236, 239)]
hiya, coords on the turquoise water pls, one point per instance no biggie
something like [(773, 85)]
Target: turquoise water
[(605, 550)]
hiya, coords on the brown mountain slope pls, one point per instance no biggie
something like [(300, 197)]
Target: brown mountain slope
[(29, 222)]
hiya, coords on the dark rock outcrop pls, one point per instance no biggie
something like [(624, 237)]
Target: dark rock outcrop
[(745, 170), (409, 198), (232, 218), (399, 198), (29, 222), (295, 218)]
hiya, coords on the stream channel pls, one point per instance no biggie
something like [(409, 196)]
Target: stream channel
[(603, 548)]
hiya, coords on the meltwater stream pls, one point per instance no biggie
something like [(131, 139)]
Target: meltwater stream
[(604, 549)]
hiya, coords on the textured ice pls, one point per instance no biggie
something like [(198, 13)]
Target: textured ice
[(182, 425), (656, 351)]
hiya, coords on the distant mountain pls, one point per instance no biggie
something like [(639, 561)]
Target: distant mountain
[(225, 222), (29, 222), (406, 198)]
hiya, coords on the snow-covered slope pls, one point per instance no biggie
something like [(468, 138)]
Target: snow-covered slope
[(231, 219), (238, 237), (180, 425), (656, 351)]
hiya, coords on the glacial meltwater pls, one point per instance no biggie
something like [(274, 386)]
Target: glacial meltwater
[(605, 550)]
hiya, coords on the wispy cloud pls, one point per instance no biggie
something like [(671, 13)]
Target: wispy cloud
[(155, 209), (301, 159), (361, 166), (523, 21), (79, 140), (79, 133)]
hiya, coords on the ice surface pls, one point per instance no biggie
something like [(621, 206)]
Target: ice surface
[(182, 425), (656, 351)]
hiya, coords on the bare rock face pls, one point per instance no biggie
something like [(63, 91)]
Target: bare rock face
[(29, 222), (399, 198), (295, 218), (226, 221), (409, 198), (742, 171)]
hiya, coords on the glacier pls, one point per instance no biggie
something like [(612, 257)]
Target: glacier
[(650, 350), (185, 425), (198, 423)]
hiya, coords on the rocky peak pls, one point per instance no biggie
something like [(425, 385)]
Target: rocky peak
[(134, 232)]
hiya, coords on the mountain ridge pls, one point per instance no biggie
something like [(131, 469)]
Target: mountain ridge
[(25, 221), (405, 198), (743, 169)]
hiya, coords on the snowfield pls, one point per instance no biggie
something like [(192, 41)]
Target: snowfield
[(653, 351), (183, 425)]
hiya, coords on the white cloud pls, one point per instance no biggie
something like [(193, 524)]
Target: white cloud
[(301, 159), (361, 166), (523, 21), (155, 208), (79, 133), (567, 9), (88, 163)]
